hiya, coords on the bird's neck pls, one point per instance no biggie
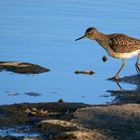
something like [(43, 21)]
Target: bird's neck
[(102, 39)]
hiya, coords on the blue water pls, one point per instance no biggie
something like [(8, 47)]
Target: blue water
[(19, 131), (43, 32)]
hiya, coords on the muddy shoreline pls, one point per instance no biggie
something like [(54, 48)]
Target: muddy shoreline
[(60, 120)]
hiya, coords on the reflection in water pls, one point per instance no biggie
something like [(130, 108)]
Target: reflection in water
[(18, 131), (34, 94), (124, 95), (12, 93)]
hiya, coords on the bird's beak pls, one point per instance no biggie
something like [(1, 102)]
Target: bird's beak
[(80, 37)]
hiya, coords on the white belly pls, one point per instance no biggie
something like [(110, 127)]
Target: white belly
[(129, 55), (124, 55)]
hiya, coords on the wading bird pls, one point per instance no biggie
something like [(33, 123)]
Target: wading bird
[(117, 45)]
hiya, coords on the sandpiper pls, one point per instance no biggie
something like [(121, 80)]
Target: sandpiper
[(117, 45)]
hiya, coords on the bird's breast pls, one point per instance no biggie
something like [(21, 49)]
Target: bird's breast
[(123, 55)]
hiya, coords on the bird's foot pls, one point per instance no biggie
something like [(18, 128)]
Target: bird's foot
[(137, 68), (114, 78)]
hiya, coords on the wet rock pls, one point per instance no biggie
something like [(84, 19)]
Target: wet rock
[(89, 72), (60, 101), (27, 111), (34, 111), (80, 135), (9, 138), (43, 112), (35, 138), (22, 68), (123, 95), (111, 120), (104, 58), (132, 79), (75, 121), (20, 113), (55, 126)]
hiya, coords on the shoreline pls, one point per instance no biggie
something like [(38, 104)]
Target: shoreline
[(60, 120)]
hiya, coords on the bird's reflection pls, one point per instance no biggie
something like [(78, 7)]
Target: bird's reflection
[(126, 95)]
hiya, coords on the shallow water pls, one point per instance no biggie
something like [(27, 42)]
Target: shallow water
[(43, 32), (19, 131)]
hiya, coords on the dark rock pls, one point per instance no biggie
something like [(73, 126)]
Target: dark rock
[(55, 126), (104, 58), (89, 72), (80, 135), (66, 121), (22, 68), (60, 101)]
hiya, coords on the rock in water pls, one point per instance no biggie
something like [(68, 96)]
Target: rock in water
[(89, 72), (22, 67), (104, 58)]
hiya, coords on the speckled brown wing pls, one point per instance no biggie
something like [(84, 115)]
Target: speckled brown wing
[(123, 44)]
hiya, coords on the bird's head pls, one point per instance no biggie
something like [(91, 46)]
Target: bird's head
[(90, 33)]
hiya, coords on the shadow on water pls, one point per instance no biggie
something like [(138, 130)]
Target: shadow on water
[(34, 94), (127, 96)]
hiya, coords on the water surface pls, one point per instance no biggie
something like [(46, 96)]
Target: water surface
[(43, 32)]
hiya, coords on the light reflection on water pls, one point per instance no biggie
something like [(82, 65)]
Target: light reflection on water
[(43, 32), (18, 131)]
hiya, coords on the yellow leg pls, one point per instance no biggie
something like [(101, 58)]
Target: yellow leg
[(117, 74), (137, 64)]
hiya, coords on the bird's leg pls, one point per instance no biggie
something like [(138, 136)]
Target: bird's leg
[(137, 64), (117, 74), (119, 85)]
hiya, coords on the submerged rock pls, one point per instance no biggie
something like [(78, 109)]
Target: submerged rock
[(34, 94), (22, 67)]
